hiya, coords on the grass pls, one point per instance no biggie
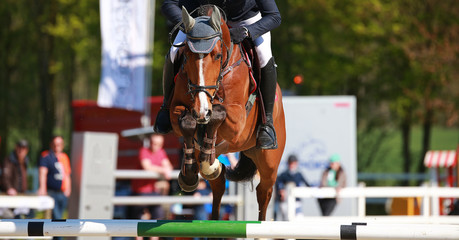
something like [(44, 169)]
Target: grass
[(386, 156)]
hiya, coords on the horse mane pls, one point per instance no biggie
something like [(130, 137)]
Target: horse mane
[(226, 33)]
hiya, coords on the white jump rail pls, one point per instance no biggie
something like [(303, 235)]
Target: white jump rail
[(227, 229), (386, 219), (427, 193)]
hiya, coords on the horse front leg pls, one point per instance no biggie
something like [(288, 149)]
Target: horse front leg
[(210, 167), (188, 178)]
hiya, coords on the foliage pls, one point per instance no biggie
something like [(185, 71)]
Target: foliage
[(397, 57)]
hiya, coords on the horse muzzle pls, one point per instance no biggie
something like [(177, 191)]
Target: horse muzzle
[(202, 118)]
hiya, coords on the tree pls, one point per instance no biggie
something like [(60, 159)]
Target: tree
[(397, 57), (429, 39)]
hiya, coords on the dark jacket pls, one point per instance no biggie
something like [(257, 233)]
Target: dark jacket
[(236, 10), (288, 177), (13, 175)]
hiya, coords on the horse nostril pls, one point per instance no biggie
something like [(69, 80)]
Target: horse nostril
[(209, 114), (194, 114)]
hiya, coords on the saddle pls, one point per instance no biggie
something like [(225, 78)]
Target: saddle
[(249, 52), (251, 56)]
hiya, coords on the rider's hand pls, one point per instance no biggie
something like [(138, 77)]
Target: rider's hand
[(238, 34)]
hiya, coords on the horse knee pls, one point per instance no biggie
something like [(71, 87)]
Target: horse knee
[(218, 116), (187, 124), (218, 113)]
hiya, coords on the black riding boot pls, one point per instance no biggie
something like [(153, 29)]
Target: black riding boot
[(266, 136), (163, 120)]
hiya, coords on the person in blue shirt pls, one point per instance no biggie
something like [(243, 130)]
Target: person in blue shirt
[(252, 19), (290, 176), (54, 176)]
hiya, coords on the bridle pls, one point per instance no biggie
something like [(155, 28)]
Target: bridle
[(194, 88)]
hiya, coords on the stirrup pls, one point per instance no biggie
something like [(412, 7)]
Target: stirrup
[(266, 137), (163, 121)]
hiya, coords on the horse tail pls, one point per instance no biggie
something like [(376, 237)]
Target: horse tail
[(244, 170)]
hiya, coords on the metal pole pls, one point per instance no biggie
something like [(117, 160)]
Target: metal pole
[(146, 118)]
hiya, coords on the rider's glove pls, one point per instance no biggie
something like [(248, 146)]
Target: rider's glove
[(238, 34)]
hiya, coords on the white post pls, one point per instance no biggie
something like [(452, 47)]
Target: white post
[(291, 206), (435, 201), (361, 200), (94, 157), (426, 201)]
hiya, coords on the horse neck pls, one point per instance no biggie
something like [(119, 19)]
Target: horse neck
[(226, 36)]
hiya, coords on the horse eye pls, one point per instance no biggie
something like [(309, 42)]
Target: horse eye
[(218, 56)]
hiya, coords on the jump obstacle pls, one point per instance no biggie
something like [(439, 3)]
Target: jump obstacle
[(224, 229)]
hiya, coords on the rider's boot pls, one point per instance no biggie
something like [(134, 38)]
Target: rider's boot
[(266, 136), (163, 121)]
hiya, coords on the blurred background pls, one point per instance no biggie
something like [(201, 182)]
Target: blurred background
[(398, 58)]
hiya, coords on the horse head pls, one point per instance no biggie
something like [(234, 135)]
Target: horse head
[(206, 54)]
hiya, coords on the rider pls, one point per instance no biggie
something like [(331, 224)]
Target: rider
[(253, 19)]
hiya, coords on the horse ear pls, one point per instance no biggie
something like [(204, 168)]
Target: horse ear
[(188, 21), (215, 19)]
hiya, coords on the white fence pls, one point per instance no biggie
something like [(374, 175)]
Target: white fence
[(23, 203), (27, 201), (430, 196), (140, 200), (232, 198), (140, 174)]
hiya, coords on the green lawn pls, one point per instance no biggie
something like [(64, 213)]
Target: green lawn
[(385, 156)]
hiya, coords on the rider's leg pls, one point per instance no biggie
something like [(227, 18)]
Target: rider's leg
[(163, 121), (266, 136)]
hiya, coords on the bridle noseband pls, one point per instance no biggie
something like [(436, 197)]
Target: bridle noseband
[(194, 88)]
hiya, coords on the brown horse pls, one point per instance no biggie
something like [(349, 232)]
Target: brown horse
[(208, 109)]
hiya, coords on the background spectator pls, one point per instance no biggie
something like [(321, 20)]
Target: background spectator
[(202, 212), (54, 176), (152, 159), (290, 176), (230, 161), (14, 174), (335, 177)]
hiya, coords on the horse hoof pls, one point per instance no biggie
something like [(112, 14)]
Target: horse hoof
[(213, 174), (185, 186)]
